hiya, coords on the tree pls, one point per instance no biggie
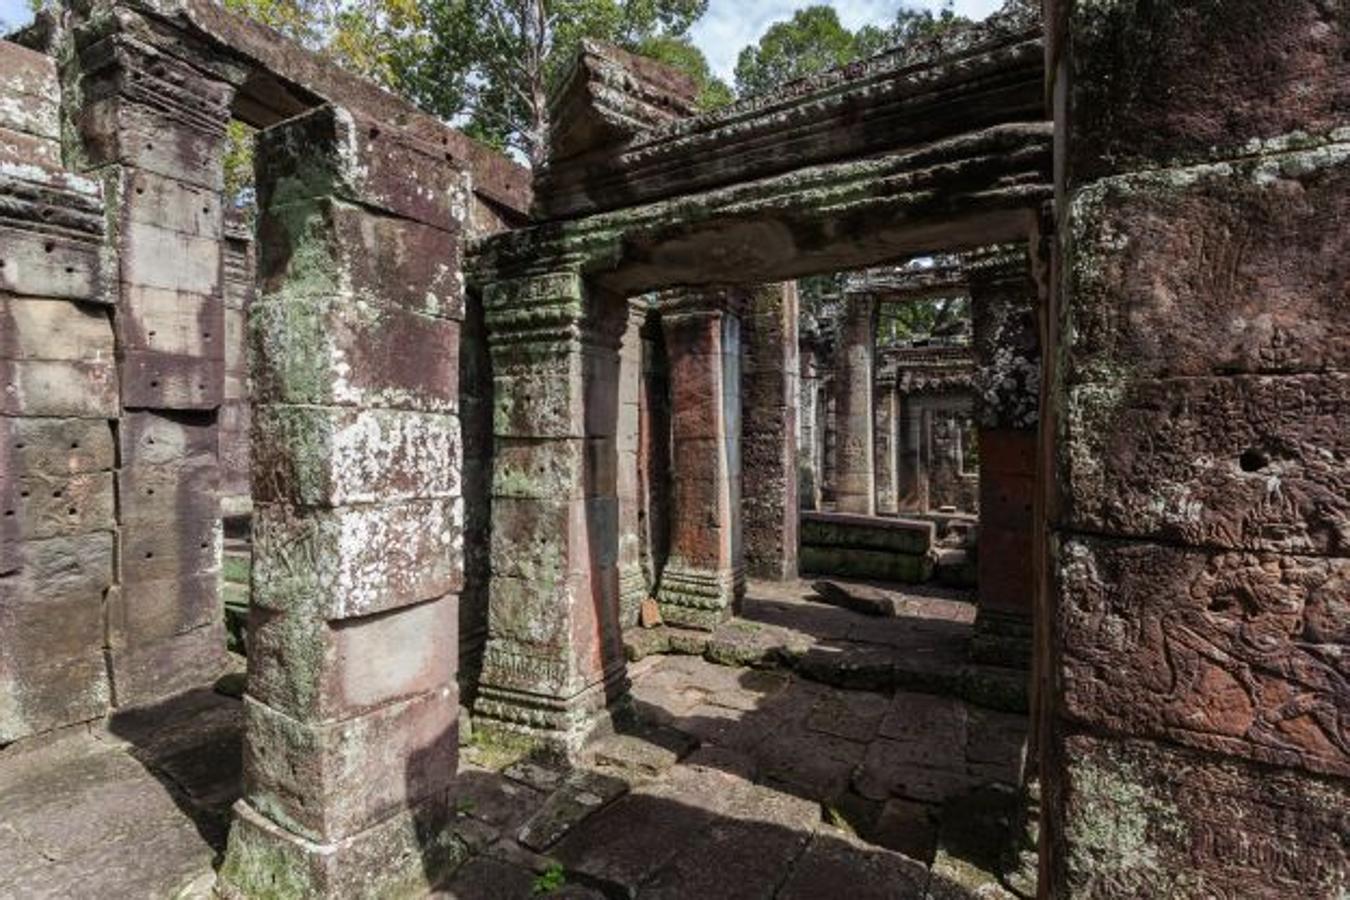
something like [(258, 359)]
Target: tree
[(814, 40), (491, 64)]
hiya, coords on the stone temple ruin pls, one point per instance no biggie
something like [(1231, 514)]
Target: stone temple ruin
[(508, 480)]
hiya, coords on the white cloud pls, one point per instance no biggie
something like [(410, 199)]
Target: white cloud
[(730, 25)]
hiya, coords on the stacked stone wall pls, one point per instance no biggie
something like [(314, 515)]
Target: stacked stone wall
[(58, 407)]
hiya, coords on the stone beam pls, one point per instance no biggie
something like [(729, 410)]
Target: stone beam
[(351, 732), (704, 577), (986, 75), (275, 79), (967, 191)]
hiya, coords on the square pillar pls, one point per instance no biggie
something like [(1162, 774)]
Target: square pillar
[(634, 582), (1198, 554), (855, 469), (769, 429), (910, 468), (704, 578), (554, 658), (350, 717), (152, 128), (1007, 385), (886, 432)]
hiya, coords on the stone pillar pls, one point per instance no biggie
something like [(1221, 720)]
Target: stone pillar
[(654, 453), (554, 656), (1199, 553), (911, 471), (351, 738), (633, 584), (58, 400), (855, 481), (810, 429), (153, 130), (704, 578), (1007, 384), (771, 390), (475, 417), (886, 430), (240, 279)]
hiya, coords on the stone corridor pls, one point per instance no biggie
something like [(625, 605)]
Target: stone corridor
[(723, 780)]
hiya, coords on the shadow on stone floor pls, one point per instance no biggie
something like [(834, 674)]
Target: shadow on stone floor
[(191, 744)]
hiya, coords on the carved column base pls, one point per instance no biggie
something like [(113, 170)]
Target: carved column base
[(699, 598), (510, 704), (633, 589), (406, 855), (1001, 639)]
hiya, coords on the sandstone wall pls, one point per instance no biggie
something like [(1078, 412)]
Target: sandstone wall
[(1198, 552)]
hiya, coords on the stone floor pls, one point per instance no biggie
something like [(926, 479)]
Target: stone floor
[(818, 771)]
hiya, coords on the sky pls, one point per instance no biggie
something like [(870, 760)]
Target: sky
[(729, 24)]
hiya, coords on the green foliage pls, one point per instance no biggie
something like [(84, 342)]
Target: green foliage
[(944, 317), (489, 65), (550, 880), (814, 40), (680, 53)]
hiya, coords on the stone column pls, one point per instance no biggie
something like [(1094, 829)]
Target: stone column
[(704, 578), (855, 478), (350, 719), (810, 431), (152, 128), (911, 472), (886, 429), (1200, 554), (654, 455), (771, 390), (554, 656), (633, 584), (1007, 384)]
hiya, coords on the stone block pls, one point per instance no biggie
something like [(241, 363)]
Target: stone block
[(164, 439), (1143, 819), (34, 92), (328, 248), (52, 505), (19, 149), (406, 855), (545, 613), (172, 322), (56, 446), (144, 198), (44, 694), (155, 256), (144, 612), (1244, 462), (553, 470), (54, 330), (867, 532), (351, 562), (159, 550), (1155, 83), (332, 780), (117, 130), (39, 264), (1219, 269), (333, 152), (148, 672), (327, 351), (1228, 652), (59, 389), (312, 670), (236, 350), (165, 381), (546, 540), (333, 456), (175, 491), (51, 604), (566, 393), (849, 562)]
